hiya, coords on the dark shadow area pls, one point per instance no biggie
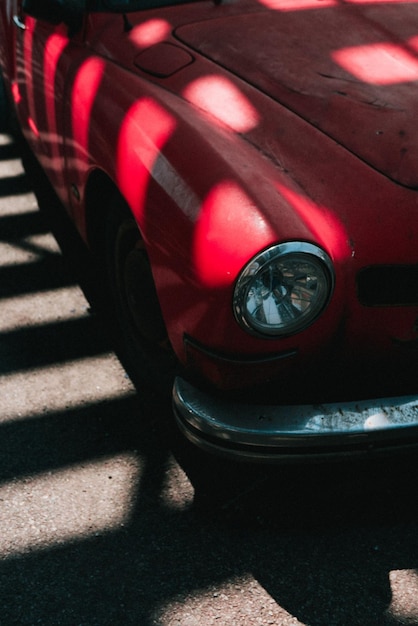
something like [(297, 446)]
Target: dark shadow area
[(44, 434), (11, 151), (16, 227), (33, 277), (14, 185), (26, 348), (347, 526)]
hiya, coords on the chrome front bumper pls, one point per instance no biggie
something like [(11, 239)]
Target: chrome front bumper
[(258, 432)]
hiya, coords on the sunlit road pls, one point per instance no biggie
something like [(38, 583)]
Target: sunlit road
[(99, 521)]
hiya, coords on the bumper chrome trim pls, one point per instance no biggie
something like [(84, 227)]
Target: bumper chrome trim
[(261, 432)]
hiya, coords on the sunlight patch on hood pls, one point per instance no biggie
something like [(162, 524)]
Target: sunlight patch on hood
[(383, 63), (151, 32), (221, 98), (298, 5)]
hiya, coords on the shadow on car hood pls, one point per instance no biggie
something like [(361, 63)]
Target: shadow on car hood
[(350, 69)]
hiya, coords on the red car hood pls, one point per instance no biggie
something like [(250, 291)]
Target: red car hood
[(351, 70)]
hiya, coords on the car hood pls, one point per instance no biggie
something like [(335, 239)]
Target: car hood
[(351, 70)]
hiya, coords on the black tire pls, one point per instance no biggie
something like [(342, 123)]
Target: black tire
[(142, 338)]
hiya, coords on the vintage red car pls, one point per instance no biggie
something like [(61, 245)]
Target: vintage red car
[(248, 172)]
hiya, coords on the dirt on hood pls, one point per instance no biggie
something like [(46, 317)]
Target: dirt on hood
[(349, 69)]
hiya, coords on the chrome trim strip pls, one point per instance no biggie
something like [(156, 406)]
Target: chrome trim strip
[(257, 431), (17, 21)]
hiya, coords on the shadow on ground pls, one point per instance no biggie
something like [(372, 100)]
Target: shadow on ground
[(255, 545)]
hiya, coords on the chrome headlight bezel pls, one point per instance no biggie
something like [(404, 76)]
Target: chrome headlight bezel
[(274, 257)]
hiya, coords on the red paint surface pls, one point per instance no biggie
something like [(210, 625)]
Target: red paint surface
[(293, 120)]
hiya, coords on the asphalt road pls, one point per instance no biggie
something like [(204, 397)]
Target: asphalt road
[(103, 517)]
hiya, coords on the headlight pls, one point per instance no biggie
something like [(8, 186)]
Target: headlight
[(283, 289)]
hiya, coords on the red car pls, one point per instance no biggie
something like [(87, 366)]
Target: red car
[(247, 170)]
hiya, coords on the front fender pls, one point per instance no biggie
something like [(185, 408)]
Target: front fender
[(205, 200)]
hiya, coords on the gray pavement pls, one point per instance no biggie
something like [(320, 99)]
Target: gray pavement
[(105, 518)]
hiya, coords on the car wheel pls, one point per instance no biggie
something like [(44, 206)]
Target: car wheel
[(144, 345)]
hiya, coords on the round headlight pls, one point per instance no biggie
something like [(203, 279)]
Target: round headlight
[(283, 289)]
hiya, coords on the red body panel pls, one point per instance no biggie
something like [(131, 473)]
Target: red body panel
[(228, 128)]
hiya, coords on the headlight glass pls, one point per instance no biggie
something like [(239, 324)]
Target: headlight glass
[(283, 289)]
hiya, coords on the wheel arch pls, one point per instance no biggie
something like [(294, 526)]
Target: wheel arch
[(104, 202), (101, 194)]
